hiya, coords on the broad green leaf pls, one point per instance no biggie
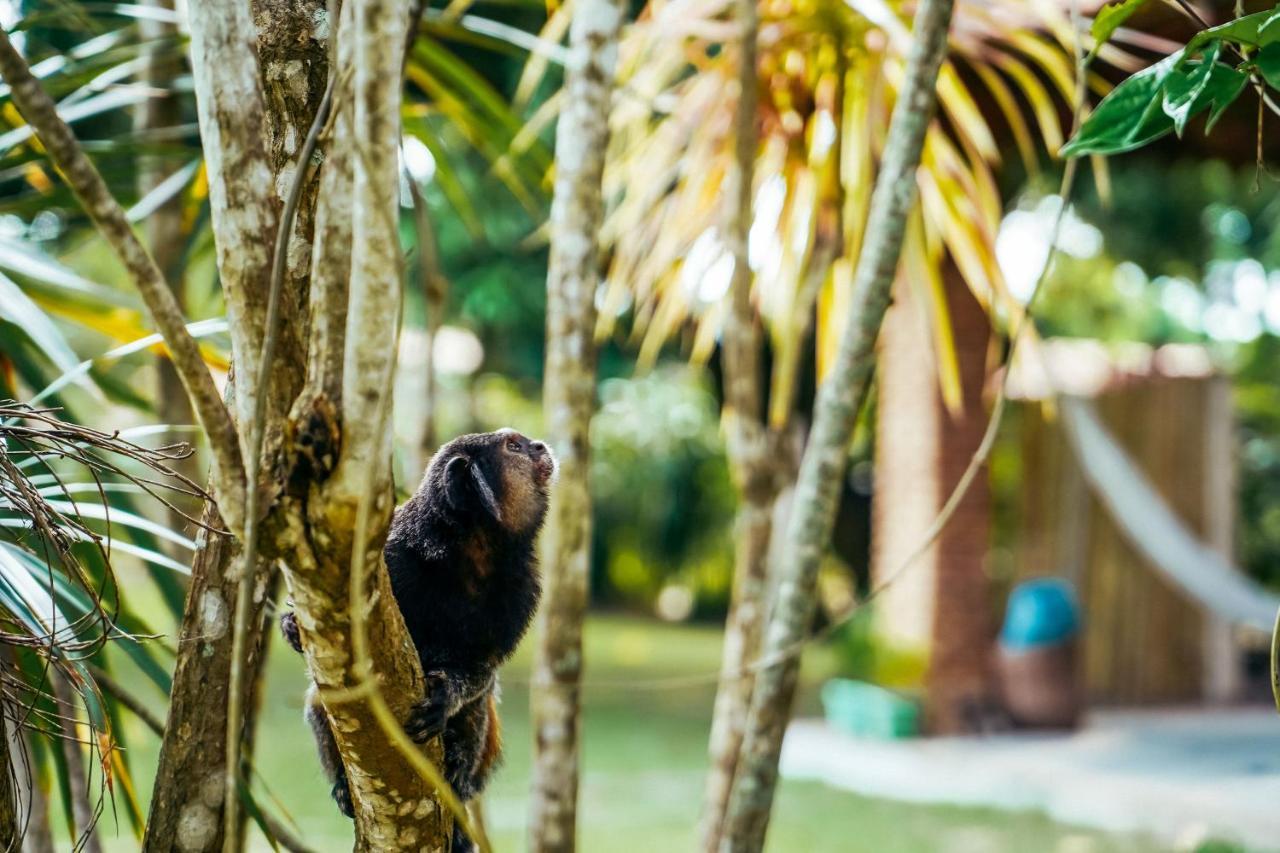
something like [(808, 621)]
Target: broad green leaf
[(1267, 31), (1110, 18), (1191, 89), (1249, 31), (1268, 63), (18, 309), (1129, 117)]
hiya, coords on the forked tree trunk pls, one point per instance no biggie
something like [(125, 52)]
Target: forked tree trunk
[(751, 461), (187, 807), (835, 414), (577, 213), (336, 464), (358, 650)]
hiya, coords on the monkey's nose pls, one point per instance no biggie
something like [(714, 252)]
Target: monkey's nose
[(537, 448)]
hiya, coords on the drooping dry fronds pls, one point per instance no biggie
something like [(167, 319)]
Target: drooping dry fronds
[(829, 72), (55, 477)]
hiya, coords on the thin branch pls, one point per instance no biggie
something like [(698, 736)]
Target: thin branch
[(835, 414), (109, 217)]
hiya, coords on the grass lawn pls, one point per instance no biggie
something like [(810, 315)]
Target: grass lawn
[(645, 754)]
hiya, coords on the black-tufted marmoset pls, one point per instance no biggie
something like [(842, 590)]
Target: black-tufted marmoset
[(460, 554)]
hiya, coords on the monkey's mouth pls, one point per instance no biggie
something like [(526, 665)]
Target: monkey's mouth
[(544, 469)]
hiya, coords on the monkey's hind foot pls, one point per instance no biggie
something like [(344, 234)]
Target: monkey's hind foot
[(289, 628), (427, 719), (342, 796), (461, 844)]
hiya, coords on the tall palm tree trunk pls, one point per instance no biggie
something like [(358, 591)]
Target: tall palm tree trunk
[(937, 612), (958, 686), (577, 213), (835, 414)]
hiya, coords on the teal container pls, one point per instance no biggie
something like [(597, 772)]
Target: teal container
[(866, 710), (1041, 612)]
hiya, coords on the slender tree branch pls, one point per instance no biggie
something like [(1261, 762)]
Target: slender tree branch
[(835, 414), (242, 196), (753, 465), (87, 184), (573, 275)]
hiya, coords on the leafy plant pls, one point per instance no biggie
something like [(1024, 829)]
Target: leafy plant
[(829, 72), (65, 497), (1207, 75)]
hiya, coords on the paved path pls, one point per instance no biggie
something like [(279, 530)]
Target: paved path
[(1179, 775)]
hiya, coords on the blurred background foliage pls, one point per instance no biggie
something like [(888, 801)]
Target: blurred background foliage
[(1173, 252)]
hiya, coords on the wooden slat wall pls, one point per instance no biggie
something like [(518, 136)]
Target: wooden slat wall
[(1144, 641)]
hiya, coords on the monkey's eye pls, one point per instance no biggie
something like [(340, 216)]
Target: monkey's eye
[(513, 444)]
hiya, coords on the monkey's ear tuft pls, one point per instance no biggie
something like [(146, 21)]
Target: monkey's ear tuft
[(464, 481)]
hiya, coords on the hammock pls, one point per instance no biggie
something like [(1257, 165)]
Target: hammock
[(1151, 527)]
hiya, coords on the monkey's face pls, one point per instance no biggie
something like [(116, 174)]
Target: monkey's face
[(501, 474)]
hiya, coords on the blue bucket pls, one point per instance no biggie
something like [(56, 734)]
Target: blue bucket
[(1040, 612)]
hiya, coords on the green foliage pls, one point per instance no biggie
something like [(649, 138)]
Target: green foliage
[(1156, 100), (1208, 74), (663, 501), (1110, 18)]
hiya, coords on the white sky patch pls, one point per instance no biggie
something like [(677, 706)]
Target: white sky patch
[(1022, 246), (1249, 286), (457, 351), (824, 134), (764, 250), (8, 18), (418, 160), (707, 270), (1182, 301), (1271, 311)]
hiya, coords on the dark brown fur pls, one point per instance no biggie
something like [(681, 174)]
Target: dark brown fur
[(461, 559)]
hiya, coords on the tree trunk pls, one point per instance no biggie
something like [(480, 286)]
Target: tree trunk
[(186, 811), (577, 213), (835, 414), (186, 803), (939, 612), (959, 696), (10, 827), (33, 806), (750, 458), (336, 516)]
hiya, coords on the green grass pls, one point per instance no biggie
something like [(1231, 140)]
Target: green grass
[(644, 752)]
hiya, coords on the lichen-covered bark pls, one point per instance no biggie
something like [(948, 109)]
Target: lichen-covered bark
[(109, 218), (187, 808), (835, 413), (577, 212), (187, 804), (340, 438), (753, 465)]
